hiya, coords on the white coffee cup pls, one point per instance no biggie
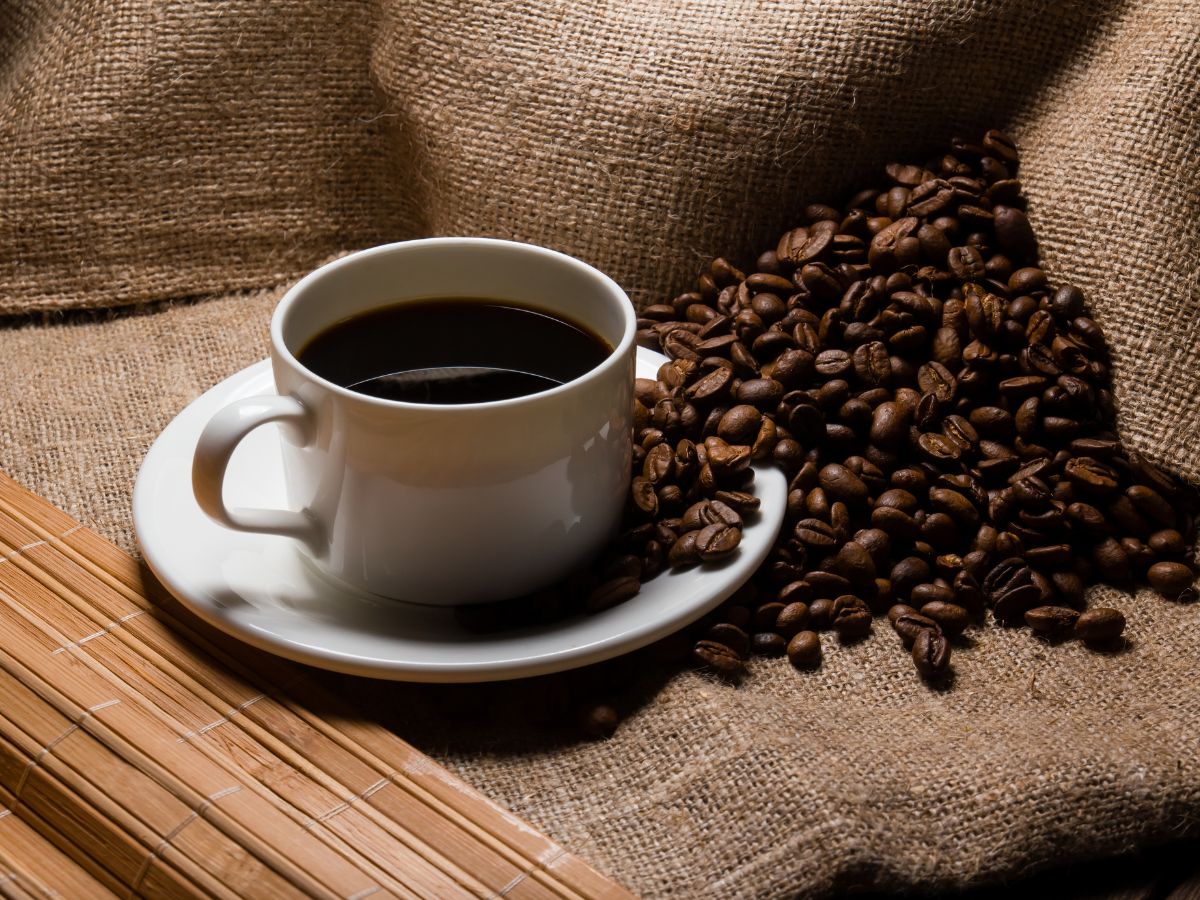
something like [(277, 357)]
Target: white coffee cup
[(440, 504)]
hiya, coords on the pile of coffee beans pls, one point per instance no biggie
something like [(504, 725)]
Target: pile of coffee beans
[(946, 421), (944, 415)]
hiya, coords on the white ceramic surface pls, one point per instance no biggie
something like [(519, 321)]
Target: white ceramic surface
[(438, 503), (261, 589)]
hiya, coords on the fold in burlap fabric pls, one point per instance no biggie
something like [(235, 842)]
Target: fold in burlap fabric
[(154, 152)]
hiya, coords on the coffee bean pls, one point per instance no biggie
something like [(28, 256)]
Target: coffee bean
[(742, 503), (1111, 561), (731, 636), (709, 512), (820, 613), (599, 720), (1151, 504), (1014, 234), (1168, 542), (644, 497), (1055, 621), (950, 616), (931, 653), (767, 643), (842, 484), (851, 617), (610, 593), (1012, 604), (740, 424), (791, 619), (966, 263), (719, 658), (854, 563), (761, 392), (1172, 580), (684, 552), (715, 542), (796, 591), (765, 615), (726, 458), (938, 449), (804, 650), (910, 624), (1101, 625)]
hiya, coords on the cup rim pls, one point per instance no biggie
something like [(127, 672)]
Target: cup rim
[(614, 358)]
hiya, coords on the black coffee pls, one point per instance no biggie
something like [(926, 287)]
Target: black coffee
[(453, 350)]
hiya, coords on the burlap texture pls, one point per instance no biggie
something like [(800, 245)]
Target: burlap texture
[(152, 152)]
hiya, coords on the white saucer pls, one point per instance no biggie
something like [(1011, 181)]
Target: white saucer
[(259, 588)]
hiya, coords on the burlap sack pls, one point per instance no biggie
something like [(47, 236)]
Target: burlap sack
[(151, 152)]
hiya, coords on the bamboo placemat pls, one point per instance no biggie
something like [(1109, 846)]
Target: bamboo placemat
[(138, 758)]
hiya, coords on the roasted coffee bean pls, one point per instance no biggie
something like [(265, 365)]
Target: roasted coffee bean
[(1011, 605), (715, 542), (719, 658), (816, 534), (1168, 542), (950, 616), (731, 636), (1055, 621), (877, 543), (1004, 576), (794, 591), (910, 624), (726, 458), (828, 584), (1101, 625), (644, 497), (740, 424), (1151, 504), (599, 720), (966, 263), (765, 615), (854, 563), (955, 505), (683, 551), (851, 617), (1173, 580), (889, 425), (709, 512), (820, 613), (768, 643), (1091, 475), (742, 503), (1111, 561), (1014, 234), (967, 592), (792, 618), (938, 449), (610, 593), (842, 484), (931, 653), (760, 392), (804, 650)]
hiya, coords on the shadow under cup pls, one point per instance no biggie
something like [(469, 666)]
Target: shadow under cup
[(469, 503)]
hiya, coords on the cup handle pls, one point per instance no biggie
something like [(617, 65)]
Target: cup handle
[(217, 442)]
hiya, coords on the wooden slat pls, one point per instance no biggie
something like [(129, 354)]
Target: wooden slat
[(30, 863), (154, 760)]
